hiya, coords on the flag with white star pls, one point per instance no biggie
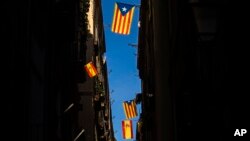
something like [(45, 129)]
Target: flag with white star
[(122, 19), (130, 109)]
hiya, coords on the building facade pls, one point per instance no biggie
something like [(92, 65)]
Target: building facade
[(51, 97), (185, 65)]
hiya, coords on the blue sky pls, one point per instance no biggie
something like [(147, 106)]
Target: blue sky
[(122, 62)]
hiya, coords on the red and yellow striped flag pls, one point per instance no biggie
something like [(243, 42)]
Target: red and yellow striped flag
[(122, 19), (91, 70), (127, 129), (130, 109)]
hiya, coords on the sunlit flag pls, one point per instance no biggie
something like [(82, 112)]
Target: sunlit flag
[(91, 70), (127, 129), (122, 19), (130, 109)]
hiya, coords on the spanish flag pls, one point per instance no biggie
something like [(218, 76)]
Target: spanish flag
[(122, 19), (91, 70), (130, 109), (127, 129)]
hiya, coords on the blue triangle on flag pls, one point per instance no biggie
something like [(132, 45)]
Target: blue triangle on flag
[(124, 8)]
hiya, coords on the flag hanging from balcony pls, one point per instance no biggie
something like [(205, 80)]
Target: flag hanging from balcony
[(127, 129), (91, 70), (122, 18), (130, 109)]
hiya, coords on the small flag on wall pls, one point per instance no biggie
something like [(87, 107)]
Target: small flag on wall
[(91, 70), (122, 19), (127, 129), (130, 109)]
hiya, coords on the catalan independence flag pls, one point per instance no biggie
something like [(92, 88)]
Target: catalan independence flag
[(127, 129), (91, 70), (130, 109), (122, 19)]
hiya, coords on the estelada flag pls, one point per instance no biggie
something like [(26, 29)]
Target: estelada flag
[(127, 129), (91, 70), (122, 19), (130, 109)]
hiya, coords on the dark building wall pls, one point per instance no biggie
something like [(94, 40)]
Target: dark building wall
[(103, 114), (86, 92), (44, 54), (13, 101), (38, 38), (95, 114), (194, 75)]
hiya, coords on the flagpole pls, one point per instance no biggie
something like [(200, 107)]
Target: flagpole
[(136, 5)]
